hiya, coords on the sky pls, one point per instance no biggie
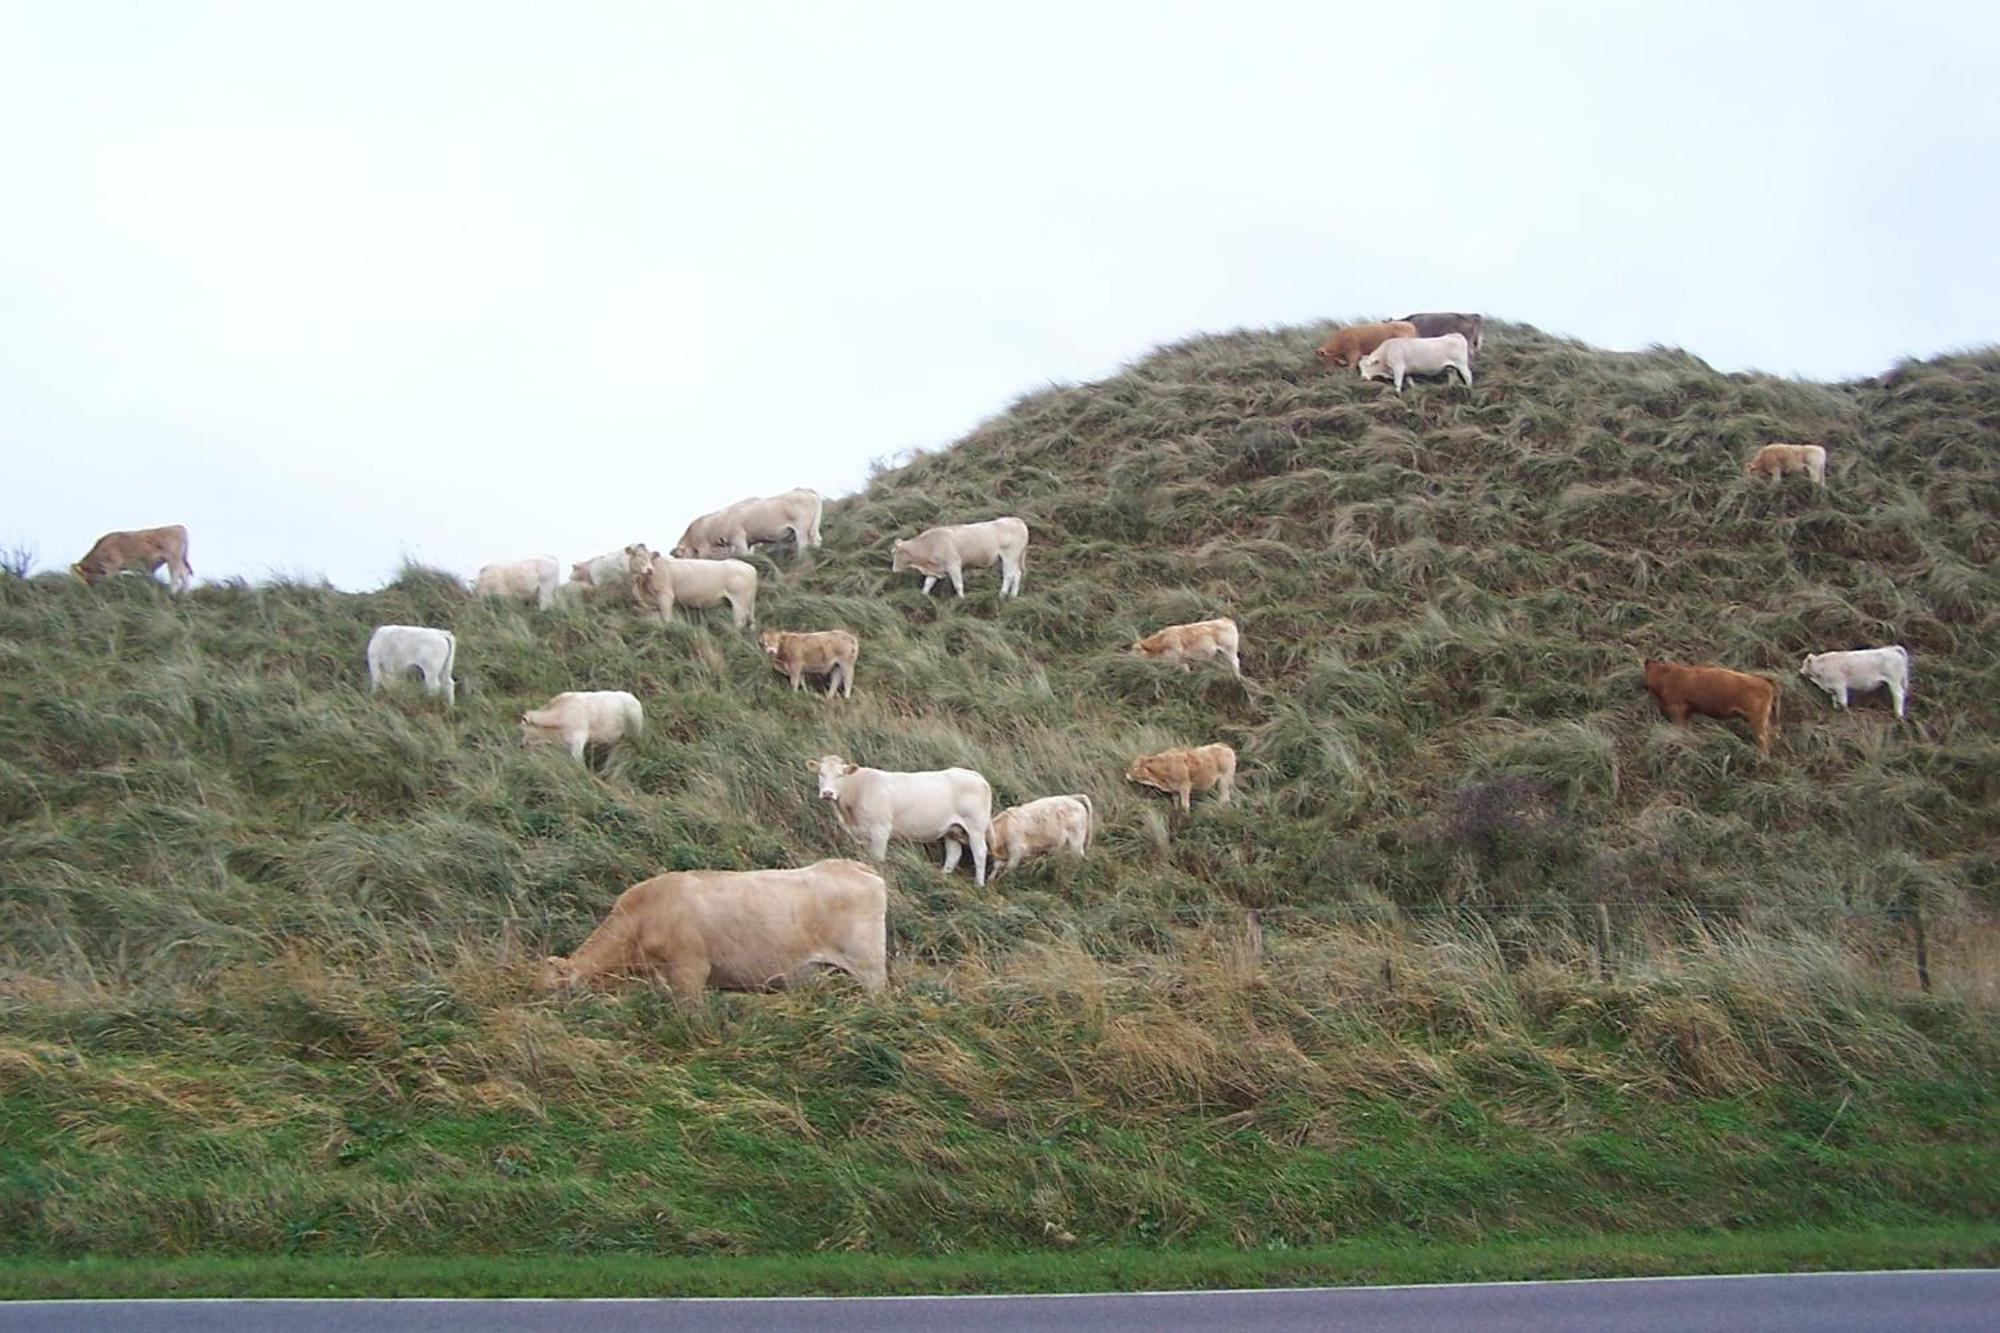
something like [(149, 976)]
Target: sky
[(340, 285)]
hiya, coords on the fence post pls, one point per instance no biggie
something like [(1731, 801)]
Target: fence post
[(1603, 917), (1923, 945), (1253, 927)]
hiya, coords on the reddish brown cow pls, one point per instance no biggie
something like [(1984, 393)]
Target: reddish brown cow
[(1350, 344), (144, 550), (1715, 692)]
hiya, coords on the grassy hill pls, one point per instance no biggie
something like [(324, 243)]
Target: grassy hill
[(265, 941)]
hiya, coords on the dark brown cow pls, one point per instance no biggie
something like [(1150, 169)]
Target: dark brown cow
[(1715, 692), (1437, 323), (144, 550), (1350, 344)]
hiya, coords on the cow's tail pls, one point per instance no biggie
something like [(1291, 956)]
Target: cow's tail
[(1777, 697), (1089, 818), (450, 657)]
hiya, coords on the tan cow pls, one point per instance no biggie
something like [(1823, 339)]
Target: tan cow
[(1347, 346), (732, 530), (532, 580), (1187, 770), (1715, 692), (579, 717), (1196, 642), (1775, 460), (1040, 827), (945, 552), (737, 930), (830, 653), (660, 583), (609, 570), (145, 550)]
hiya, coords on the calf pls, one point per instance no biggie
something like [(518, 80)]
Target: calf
[(1187, 770), (1775, 460), (1400, 358), (830, 653), (1188, 644), (580, 717), (532, 580), (1347, 346), (1715, 692), (396, 650), (1861, 669), (144, 550), (1040, 827)]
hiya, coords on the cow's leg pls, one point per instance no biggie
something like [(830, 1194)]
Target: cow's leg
[(952, 851), (1399, 379), (957, 574), (1185, 794), (798, 679), (450, 689), (1465, 370), (833, 680), (930, 581), (688, 979), (1840, 695), (978, 859), (1235, 662), (846, 680), (576, 741), (1896, 693), (878, 843), (1677, 713)]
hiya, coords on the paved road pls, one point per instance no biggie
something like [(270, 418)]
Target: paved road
[(1922, 1302)]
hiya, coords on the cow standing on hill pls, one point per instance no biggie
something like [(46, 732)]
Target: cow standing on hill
[(1861, 669), (143, 550), (396, 650), (945, 552), (874, 805), (1347, 346), (1195, 642), (734, 529), (1715, 692)]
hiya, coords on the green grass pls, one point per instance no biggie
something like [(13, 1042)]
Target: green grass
[(1339, 1264), (265, 940)]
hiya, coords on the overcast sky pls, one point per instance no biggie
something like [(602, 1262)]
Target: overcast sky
[(336, 283)]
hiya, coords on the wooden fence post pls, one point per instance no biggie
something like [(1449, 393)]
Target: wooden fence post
[(1603, 915)]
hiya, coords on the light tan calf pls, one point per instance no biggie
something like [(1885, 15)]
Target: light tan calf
[(580, 717), (1191, 643), (737, 930), (1040, 827), (1775, 460), (532, 580), (145, 550), (660, 583), (1187, 770), (830, 653)]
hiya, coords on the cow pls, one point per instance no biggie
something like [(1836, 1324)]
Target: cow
[(144, 550), (578, 717), (1715, 692), (1435, 324), (1399, 358), (1775, 460), (1187, 770), (396, 650), (1188, 644), (1350, 344), (945, 552), (737, 930), (1038, 827), (734, 529), (830, 653), (602, 571), (955, 804), (532, 580), (661, 582), (1861, 669)]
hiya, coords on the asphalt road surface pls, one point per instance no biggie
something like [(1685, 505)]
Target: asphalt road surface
[(1957, 1301)]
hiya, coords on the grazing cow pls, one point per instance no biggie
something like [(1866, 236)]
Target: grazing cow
[(1350, 344), (955, 804), (1039, 827), (1775, 460), (1188, 644), (1861, 669), (946, 552), (144, 550), (830, 653), (609, 570), (1715, 692), (396, 650), (1436, 324), (737, 930), (532, 580), (733, 529), (1187, 770), (1399, 358), (661, 583), (579, 717)]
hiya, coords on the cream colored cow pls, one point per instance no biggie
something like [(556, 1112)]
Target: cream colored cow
[(583, 717), (947, 552), (1196, 642), (532, 580), (1775, 460), (1038, 828), (660, 583), (734, 529), (953, 804)]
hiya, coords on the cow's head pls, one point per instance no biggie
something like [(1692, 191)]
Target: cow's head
[(898, 562), (1372, 366), (1141, 770), (556, 974), (772, 640), (831, 768), (579, 572), (89, 573), (684, 552), (1813, 669)]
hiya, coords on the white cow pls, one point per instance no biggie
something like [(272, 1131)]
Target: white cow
[(1401, 357), (1039, 827), (532, 580), (602, 571), (579, 717), (733, 529), (1861, 669), (395, 650), (946, 552), (660, 583), (955, 804)]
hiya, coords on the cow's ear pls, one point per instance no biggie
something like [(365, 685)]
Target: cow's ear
[(851, 768)]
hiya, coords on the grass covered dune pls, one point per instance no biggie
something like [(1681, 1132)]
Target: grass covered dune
[(265, 941)]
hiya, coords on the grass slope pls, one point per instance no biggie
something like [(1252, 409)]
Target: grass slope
[(264, 940)]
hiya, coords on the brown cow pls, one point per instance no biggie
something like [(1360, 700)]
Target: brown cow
[(1350, 344), (1191, 643), (1715, 692), (1775, 460), (1187, 770), (830, 653), (1437, 323), (144, 550)]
